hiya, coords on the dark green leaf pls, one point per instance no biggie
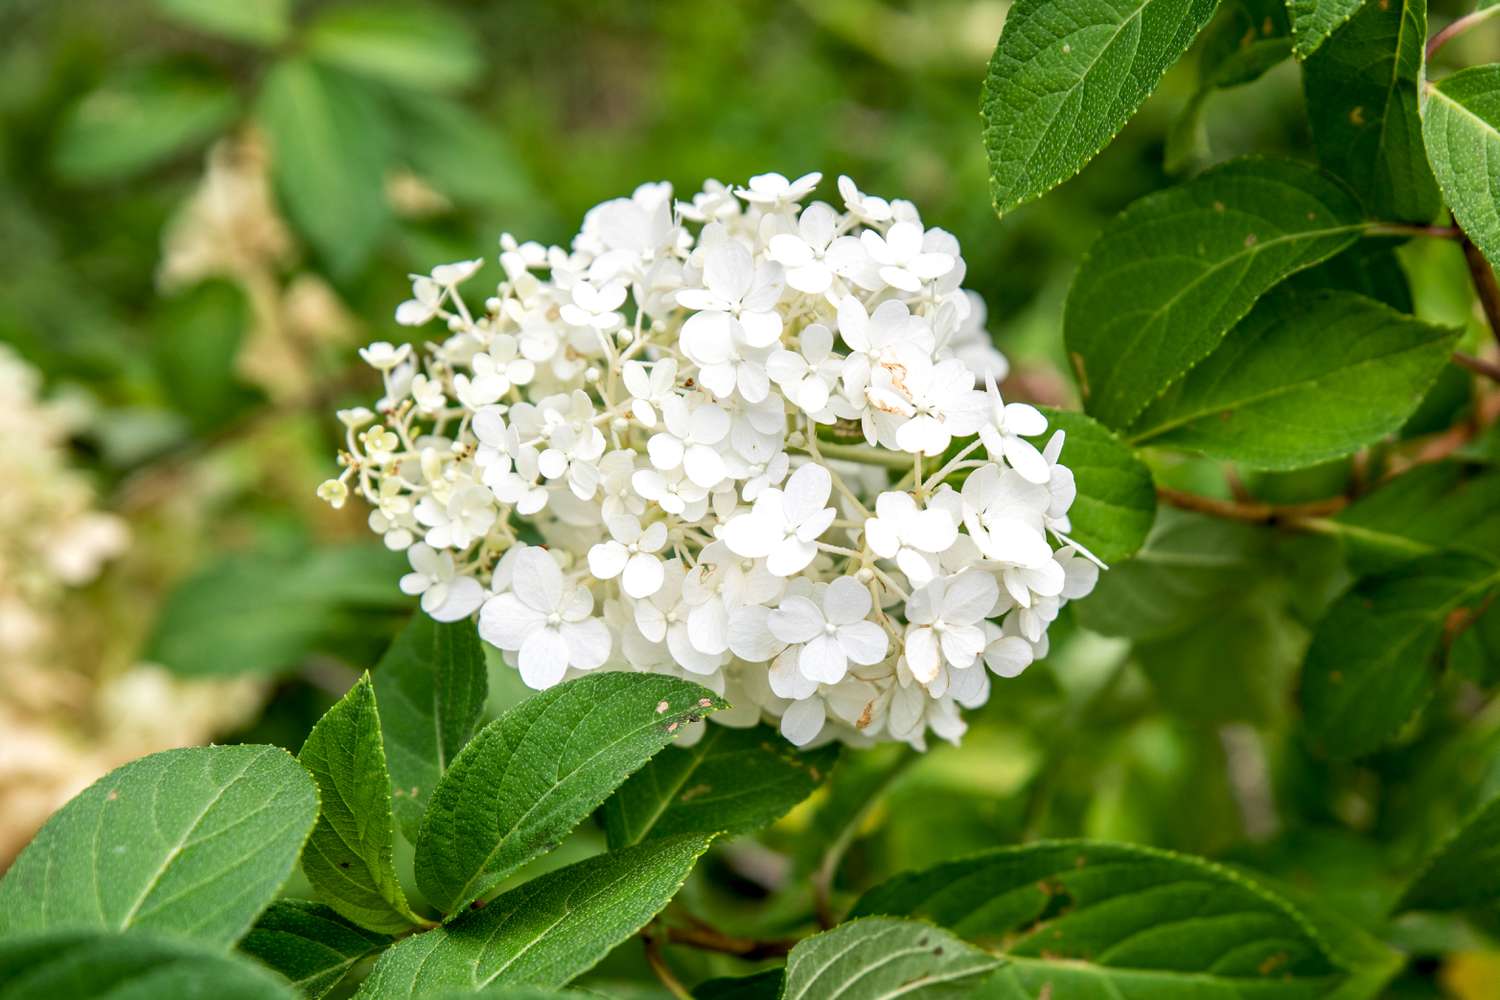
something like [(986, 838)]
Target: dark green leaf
[(81, 964), (257, 611), (444, 142), (1314, 20), (731, 781), (761, 986), (1371, 665), (1362, 102), (1370, 267), (545, 932), (191, 843), (1168, 279), (1431, 506), (195, 346), (422, 47), (1065, 78), (309, 944), (260, 22), (1464, 871), (348, 858), (330, 148), (1304, 378), (1098, 920), (880, 957), (530, 776), (135, 121), (1116, 502), (432, 685), (1461, 126)]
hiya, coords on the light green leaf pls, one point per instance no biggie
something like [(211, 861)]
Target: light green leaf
[(1372, 663), (1189, 565), (1314, 20), (254, 612), (1100, 921), (1462, 872), (330, 149), (1065, 78), (138, 120), (309, 944), (545, 932), (731, 781), (82, 964), (1361, 91), (880, 957), (1431, 506), (190, 843), (1116, 502), (259, 22), (432, 686), (1306, 377), (408, 46), (530, 776), (1172, 274), (1461, 126), (348, 858)]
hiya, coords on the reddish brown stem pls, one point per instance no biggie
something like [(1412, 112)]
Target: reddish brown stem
[(1252, 511)]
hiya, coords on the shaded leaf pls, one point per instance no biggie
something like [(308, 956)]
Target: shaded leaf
[(1116, 502), (1304, 378), (433, 686), (79, 964), (195, 346), (545, 932), (1065, 78), (407, 46), (533, 774), (348, 858), (1431, 506), (1461, 126), (260, 22), (1175, 271), (761, 986), (1464, 871), (309, 944), (190, 843), (1371, 665), (731, 781), (880, 957)]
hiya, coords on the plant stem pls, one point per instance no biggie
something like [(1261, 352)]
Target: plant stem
[(706, 938), (1407, 229), (1478, 365), (658, 963), (1483, 276), (1252, 511), (1458, 27)]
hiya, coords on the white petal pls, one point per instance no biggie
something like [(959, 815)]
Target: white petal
[(665, 451), (922, 654), (790, 557), (864, 642), (962, 644), (806, 492), (1024, 419), (746, 534), (708, 627), (588, 643), (465, 595), (969, 598), (803, 721), (786, 678), (1025, 459), (750, 637), (643, 576), (1008, 656), (931, 531), (846, 601), (543, 659), (607, 560), (704, 465), (823, 660), (536, 580), (796, 620), (506, 622)]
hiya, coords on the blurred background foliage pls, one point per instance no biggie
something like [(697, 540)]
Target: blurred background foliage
[(207, 206)]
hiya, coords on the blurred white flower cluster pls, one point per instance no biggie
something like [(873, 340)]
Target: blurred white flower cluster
[(750, 442)]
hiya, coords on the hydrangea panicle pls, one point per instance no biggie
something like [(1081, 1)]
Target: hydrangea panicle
[(748, 439)]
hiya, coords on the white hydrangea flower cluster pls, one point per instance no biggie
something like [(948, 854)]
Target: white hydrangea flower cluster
[(737, 439)]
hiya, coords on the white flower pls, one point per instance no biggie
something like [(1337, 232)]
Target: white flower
[(673, 492), (333, 492), (774, 190), (446, 595), (833, 635), (667, 617), (802, 254), (630, 554), (864, 207), (495, 372), (545, 621), (595, 307), (784, 525), (649, 389), (943, 405), (466, 515), (807, 378), (1003, 514), (902, 261), (383, 356), (691, 441), (1005, 431), (903, 532), (945, 618)]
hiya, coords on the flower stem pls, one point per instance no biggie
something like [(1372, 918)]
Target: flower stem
[(1458, 27)]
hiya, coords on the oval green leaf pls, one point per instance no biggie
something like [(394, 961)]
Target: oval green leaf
[(879, 957), (420, 47), (309, 944), (1461, 126), (1464, 871), (80, 964)]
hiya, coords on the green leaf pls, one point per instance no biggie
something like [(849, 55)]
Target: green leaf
[(195, 347), (761, 986), (138, 120), (190, 843), (1314, 20), (444, 140), (1099, 921), (330, 148), (1461, 126), (1371, 665), (1370, 267), (421, 47), (1431, 506), (433, 686), (533, 774), (1188, 567), (881, 957), (1065, 78), (1462, 872), (348, 858), (547, 931), (255, 612), (1305, 378), (1361, 91), (731, 781), (1116, 502), (309, 944), (259, 22), (81, 964), (1175, 271)]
